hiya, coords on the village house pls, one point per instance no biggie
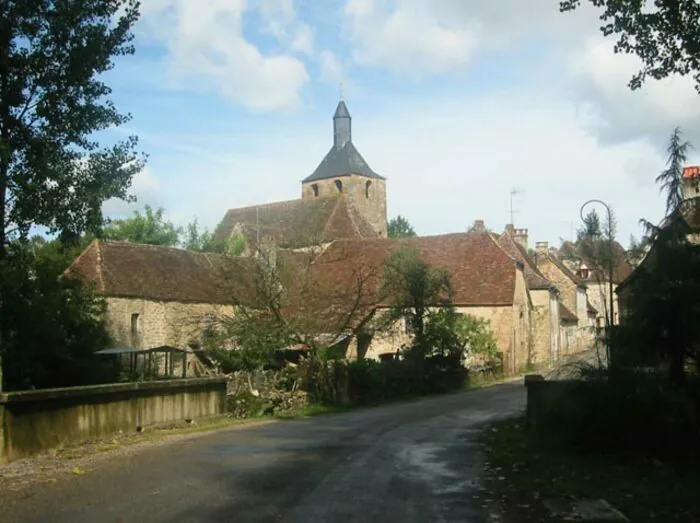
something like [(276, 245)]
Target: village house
[(687, 216), (596, 276), (577, 336), (162, 296), (486, 283), (547, 312), (331, 238)]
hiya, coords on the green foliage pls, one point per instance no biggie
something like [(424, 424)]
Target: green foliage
[(54, 325), (413, 287), (53, 172), (671, 178), (636, 250), (247, 340), (591, 227), (620, 412), (664, 305), (399, 227), (453, 335), (204, 241), (150, 228), (664, 37)]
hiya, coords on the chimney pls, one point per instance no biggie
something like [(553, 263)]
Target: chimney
[(542, 248), (520, 236), (479, 226)]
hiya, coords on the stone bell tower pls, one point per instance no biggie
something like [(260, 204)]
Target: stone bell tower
[(344, 172)]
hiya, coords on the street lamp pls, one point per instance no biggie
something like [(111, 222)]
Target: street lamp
[(610, 269)]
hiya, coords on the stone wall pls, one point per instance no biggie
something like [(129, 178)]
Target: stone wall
[(545, 326), (367, 195), (159, 322), (39, 420), (599, 297), (567, 287)]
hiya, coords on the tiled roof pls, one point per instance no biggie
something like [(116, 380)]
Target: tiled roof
[(533, 277), (482, 273), (297, 223), (131, 270), (621, 270)]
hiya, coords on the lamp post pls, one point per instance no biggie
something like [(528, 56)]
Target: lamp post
[(611, 261)]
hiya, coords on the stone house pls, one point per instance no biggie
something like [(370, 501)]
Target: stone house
[(597, 278), (487, 283), (687, 216), (163, 296), (546, 313), (574, 299)]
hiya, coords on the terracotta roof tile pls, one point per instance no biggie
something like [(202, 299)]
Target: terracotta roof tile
[(533, 277), (130, 270), (482, 273), (297, 223)]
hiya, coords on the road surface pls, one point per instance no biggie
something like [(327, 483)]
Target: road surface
[(409, 462)]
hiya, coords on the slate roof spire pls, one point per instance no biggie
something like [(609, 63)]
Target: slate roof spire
[(342, 125), (343, 159)]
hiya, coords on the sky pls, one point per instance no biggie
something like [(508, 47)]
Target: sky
[(456, 102)]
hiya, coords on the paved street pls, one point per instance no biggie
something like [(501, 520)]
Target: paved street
[(410, 462)]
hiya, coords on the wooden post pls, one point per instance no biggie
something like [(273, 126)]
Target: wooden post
[(3, 444)]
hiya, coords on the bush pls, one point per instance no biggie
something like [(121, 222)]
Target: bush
[(622, 412)]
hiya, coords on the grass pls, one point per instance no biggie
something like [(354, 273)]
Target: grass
[(523, 471)]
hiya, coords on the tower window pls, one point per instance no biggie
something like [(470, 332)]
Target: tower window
[(314, 187), (339, 185), (367, 187), (135, 328)]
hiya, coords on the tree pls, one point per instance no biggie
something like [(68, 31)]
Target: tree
[(590, 228), (294, 299), (636, 250), (399, 227), (204, 241), (671, 178), (454, 335), (666, 37), (413, 288), (54, 324), (53, 104), (53, 172), (150, 228)]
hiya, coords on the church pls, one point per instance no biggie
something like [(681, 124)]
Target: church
[(342, 198), (168, 296)]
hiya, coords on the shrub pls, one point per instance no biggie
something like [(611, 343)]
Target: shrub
[(622, 412)]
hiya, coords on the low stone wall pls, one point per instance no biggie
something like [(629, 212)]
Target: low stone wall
[(39, 420), (541, 394)]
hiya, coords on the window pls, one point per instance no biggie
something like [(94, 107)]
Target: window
[(339, 185), (135, 324), (584, 274), (314, 187), (367, 187)]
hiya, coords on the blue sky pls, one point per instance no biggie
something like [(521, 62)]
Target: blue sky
[(456, 102)]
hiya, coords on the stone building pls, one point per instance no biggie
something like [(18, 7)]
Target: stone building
[(342, 198), (546, 309), (163, 296), (574, 298), (487, 283)]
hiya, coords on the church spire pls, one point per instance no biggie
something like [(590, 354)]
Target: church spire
[(341, 125)]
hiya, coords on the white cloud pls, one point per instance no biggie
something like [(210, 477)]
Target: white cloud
[(654, 109), (410, 37), (206, 48), (145, 186)]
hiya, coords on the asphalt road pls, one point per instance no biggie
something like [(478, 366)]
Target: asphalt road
[(409, 462)]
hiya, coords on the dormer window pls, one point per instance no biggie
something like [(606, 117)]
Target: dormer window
[(584, 274)]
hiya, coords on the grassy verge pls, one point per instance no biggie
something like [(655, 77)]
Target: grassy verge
[(522, 472)]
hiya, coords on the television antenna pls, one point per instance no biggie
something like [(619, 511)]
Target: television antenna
[(512, 211)]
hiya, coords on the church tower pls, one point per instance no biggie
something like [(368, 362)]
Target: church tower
[(344, 172)]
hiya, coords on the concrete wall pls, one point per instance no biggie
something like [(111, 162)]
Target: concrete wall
[(35, 421), (369, 200), (160, 322)]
